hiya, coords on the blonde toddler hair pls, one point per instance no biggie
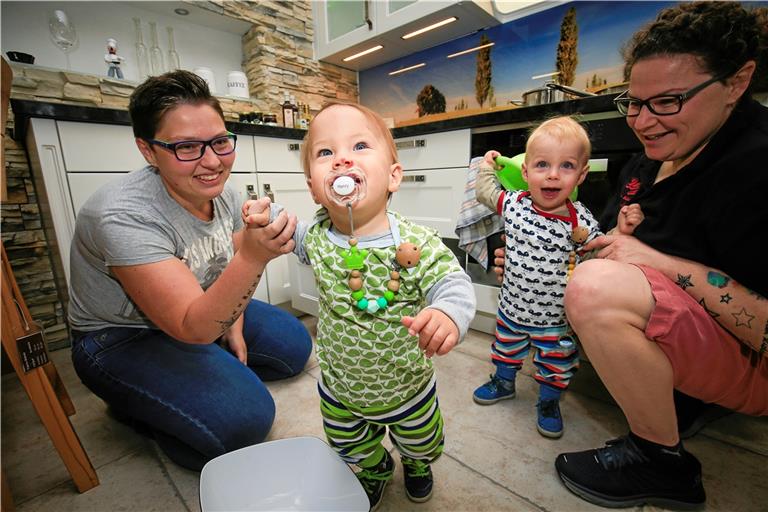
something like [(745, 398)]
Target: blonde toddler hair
[(562, 128)]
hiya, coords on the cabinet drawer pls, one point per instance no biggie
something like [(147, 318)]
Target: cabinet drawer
[(245, 161), (90, 147), (432, 198), (434, 150), (277, 155)]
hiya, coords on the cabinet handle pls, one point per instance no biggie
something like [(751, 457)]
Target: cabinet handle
[(416, 178), (251, 191), (268, 192), (294, 146), (368, 15), (411, 144)]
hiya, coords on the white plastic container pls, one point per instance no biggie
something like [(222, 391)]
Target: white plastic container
[(237, 84), (207, 75)]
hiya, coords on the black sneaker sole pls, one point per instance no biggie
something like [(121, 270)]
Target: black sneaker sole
[(484, 401), (419, 499), (630, 501)]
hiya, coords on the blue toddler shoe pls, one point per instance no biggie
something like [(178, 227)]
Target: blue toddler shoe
[(494, 390)]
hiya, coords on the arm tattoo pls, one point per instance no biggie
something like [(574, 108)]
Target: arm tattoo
[(764, 344), (717, 279), (711, 312), (684, 281), (743, 318), (226, 324)]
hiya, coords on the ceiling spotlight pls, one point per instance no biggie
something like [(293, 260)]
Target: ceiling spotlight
[(470, 50), (181, 11), (364, 52), (430, 27), (410, 68)]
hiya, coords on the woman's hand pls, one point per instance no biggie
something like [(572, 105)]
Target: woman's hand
[(628, 249), (263, 240), (498, 260), (235, 340), (437, 332)]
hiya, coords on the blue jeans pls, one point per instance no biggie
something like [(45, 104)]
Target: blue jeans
[(198, 401)]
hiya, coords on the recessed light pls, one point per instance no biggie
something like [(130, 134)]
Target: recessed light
[(364, 52), (410, 68), (470, 50), (181, 11), (430, 27)]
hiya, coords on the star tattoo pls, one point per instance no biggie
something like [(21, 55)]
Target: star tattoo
[(711, 313), (743, 318), (684, 281), (726, 298)]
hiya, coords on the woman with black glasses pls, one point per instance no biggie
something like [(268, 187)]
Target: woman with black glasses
[(690, 312), (164, 327)]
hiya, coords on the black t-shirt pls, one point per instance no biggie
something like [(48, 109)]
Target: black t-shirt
[(714, 210)]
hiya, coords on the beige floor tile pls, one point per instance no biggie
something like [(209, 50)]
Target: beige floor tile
[(135, 482)]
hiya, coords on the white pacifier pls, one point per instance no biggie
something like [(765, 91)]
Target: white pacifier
[(345, 187)]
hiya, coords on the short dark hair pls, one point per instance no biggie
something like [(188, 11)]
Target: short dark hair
[(722, 35), (154, 97)]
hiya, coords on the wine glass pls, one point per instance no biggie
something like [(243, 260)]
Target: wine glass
[(63, 33)]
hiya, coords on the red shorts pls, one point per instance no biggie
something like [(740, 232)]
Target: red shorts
[(708, 362)]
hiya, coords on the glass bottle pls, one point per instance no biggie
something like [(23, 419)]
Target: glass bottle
[(287, 109), (141, 52), (173, 57), (295, 108), (155, 53)]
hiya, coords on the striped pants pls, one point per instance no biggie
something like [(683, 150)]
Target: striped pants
[(555, 354), (415, 428)]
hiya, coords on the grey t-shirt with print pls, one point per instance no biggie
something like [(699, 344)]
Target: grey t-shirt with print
[(132, 221)]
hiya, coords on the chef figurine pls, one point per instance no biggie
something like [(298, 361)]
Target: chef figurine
[(113, 59)]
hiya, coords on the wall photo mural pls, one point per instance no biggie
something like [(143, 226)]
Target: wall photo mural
[(577, 44)]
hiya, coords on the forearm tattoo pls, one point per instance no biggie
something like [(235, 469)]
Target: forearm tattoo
[(764, 343), (226, 324)]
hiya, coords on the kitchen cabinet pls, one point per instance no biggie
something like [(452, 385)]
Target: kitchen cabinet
[(343, 28)]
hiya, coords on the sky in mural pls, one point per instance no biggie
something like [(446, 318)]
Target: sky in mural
[(523, 48)]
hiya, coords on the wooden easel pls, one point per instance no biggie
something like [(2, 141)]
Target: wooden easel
[(43, 385)]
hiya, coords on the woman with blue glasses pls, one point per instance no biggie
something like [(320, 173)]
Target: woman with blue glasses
[(165, 330), (690, 313)]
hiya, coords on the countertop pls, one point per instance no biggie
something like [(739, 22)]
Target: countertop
[(25, 109)]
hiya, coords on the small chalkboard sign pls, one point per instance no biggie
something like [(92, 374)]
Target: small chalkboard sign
[(32, 351)]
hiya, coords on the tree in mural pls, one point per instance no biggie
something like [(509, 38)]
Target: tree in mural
[(461, 105), (567, 54), (484, 72), (430, 101)]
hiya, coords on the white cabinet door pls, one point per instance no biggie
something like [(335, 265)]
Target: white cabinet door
[(340, 24), (434, 150), (247, 184), (432, 198), (83, 184), (391, 14), (277, 155), (90, 147)]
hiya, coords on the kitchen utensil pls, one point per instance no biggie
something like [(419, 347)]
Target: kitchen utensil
[(62, 32), (142, 59), (173, 57), (237, 84), (155, 53), (21, 57), (207, 75)]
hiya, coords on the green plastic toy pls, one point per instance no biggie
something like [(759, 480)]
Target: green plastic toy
[(511, 174)]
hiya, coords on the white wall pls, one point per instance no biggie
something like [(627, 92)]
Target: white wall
[(25, 29)]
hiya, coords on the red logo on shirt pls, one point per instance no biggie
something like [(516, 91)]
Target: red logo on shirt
[(630, 189)]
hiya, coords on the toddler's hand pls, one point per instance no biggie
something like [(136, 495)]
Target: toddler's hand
[(437, 332), (490, 158), (255, 212), (630, 216)]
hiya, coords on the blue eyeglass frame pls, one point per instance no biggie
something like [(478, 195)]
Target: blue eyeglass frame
[(681, 98), (205, 143)]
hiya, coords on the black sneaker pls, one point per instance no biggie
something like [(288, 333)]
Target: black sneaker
[(375, 479), (621, 475), (693, 414), (418, 479)]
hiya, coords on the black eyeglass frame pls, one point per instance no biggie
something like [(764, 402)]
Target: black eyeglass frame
[(623, 100), (205, 143)]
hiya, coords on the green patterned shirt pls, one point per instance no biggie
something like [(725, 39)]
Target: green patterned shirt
[(368, 359)]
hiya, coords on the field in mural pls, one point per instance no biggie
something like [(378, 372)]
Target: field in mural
[(499, 74)]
